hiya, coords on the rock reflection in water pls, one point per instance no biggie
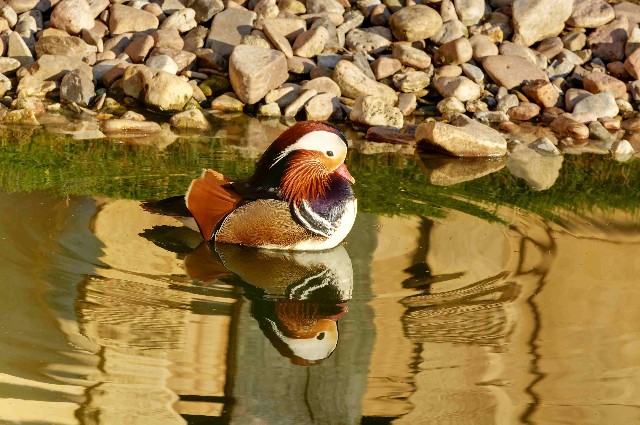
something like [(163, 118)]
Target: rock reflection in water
[(296, 297)]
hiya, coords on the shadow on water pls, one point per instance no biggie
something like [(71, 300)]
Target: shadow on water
[(469, 291)]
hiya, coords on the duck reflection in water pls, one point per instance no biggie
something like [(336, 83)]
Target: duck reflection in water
[(296, 297)]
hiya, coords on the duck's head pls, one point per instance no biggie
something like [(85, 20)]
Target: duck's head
[(302, 161)]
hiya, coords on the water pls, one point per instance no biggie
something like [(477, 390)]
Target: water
[(481, 302)]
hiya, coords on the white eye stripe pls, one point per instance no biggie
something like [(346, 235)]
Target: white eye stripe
[(313, 141)]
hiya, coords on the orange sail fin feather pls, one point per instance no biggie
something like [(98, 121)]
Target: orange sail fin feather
[(210, 201)]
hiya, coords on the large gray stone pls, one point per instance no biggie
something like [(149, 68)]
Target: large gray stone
[(77, 87), (254, 71)]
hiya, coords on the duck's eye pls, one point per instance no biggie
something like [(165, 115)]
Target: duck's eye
[(320, 336), (329, 153)]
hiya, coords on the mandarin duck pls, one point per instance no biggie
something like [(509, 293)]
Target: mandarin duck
[(299, 197), (296, 297)]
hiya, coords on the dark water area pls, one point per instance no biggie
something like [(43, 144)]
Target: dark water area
[(469, 291)]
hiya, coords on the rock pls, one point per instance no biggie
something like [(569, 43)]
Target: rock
[(131, 115), (482, 47), (72, 16), (508, 48), (544, 147), (466, 138), (290, 28), (524, 111), (298, 65), (120, 126), (192, 119), (407, 103), (354, 83), (632, 64), (139, 48), (512, 71), (597, 82), (167, 37), (574, 41), (322, 85), (535, 20), (5, 85), (566, 125), (183, 60), (183, 20), (66, 46), (269, 110), (491, 117), (470, 12), (411, 81), (324, 6), (18, 49), (77, 87), (278, 40), (573, 96), (410, 56), (622, 151), (21, 117), (550, 47), (228, 28), (296, 106), (310, 43), (227, 102), (163, 63), (601, 104), (254, 71), (472, 72), (372, 110), (50, 69), (209, 59), (591, 14), (8, 65), (608, 41), (461, 88), (157, 89), (450, 106), (368, 40), (284, 95), (454, 52), (415, 23), (539, 171), (384, 67), (450, 31), (205, 9), (125, 19), (323, 106)]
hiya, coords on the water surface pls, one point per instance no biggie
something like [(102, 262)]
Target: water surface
[(468, 292)]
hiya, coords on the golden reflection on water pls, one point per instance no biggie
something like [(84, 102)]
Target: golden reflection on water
[(454, 320)]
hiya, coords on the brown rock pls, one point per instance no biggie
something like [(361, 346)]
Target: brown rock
[(607, 42), (384, 67), (542, 92), (632, 64), (123, 19), (512, 71), (139, 48), (597, 82), (567, 126), (72, 16), (524, 112)]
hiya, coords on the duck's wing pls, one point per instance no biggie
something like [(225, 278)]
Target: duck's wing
[(209, 200)]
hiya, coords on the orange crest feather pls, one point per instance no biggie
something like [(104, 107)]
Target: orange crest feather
[(306, 177)]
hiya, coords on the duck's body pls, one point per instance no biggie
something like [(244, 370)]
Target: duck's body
[(299, 198)]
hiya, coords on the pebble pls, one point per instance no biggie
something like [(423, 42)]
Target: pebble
[(192, 119), (415, 23), (461, 88), (296, 106), (544, 147), (466, 138), (601, 105), (535, 21), (524, 111), (591, 14), (371, 110), (227, 102), (254, 71), (323, 106), (455, 52), (125, 19), (354, 83), (512, 71), (123, 126), (410, 56)]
